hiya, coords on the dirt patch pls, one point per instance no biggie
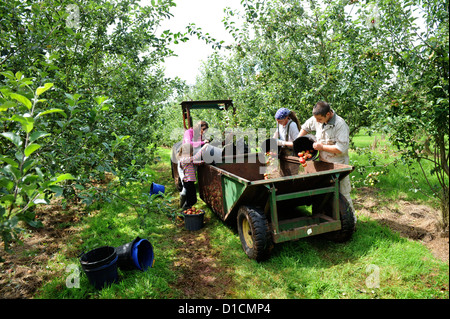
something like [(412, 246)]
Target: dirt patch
[(25, 270), (201, 277), (410, 220)]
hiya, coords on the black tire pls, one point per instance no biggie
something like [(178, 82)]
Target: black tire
[(254, 233), (347, 221)]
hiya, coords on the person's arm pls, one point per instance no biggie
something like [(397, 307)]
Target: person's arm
[(196, 144), (197, 158), (326, 148), (307, 127), (302, 133), (341, 141), (284, 143)]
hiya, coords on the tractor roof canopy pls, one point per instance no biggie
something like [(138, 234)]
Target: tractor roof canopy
[(186, 106)]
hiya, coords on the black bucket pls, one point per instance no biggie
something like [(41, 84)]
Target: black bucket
[(305, 143), (193, 221), (100, 266), (137, 254)]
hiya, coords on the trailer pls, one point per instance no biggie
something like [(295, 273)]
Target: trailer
[(300, 202)]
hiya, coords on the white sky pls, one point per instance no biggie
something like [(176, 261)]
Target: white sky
[(207, 15)]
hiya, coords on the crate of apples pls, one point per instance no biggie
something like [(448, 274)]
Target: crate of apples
[(304, 156)]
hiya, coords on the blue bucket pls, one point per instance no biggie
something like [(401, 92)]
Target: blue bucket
[(137, 254), (156, 189), (142, 253)]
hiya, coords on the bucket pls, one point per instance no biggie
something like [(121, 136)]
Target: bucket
[(305, 143), (137, 254), (194, 221), (156, 189), (212, 154), (100, 266)]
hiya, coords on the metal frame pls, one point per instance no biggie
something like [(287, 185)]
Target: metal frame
[(186, 106), (304, 226)]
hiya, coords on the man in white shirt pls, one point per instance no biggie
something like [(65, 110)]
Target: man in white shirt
[(332, 140)]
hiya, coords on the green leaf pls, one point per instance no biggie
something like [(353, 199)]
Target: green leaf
[(22, 99), (35, 223), (29, 179), (62, 177), (9, 75), (39, 172), (7, 199), (30, 149), (35, 135), (10, 161), (29, 217), (26, 122), (27, 164), (56, 189), (6, 183), (13, 171), (7, 105), (41, 89), (100, 99), (52, 111), (14, 138)]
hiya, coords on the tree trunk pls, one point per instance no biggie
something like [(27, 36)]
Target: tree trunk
[(444, 210)]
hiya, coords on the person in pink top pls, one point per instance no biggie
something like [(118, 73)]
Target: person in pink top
[(194, 135), (187, 160)]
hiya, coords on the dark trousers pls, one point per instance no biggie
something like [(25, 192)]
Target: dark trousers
[(191, 194)]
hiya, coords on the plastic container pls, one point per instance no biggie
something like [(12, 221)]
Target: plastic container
[(305, 143), (100, 266), (137, 254), (156, 189), (193, 221)]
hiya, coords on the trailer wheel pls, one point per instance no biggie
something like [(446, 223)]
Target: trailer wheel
[(254, 233), (347, 222)]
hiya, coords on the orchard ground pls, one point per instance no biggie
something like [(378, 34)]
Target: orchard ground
[(24, 271)]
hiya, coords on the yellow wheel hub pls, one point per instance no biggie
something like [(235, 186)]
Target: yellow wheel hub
[(247, 232)]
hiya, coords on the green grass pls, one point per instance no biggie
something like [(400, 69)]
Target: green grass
[(374, 155), (317, 268), (308, 268)]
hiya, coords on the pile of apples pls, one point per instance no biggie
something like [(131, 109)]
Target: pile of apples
[(271, 155), (304, 156), (270, 163), (192, 211)]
